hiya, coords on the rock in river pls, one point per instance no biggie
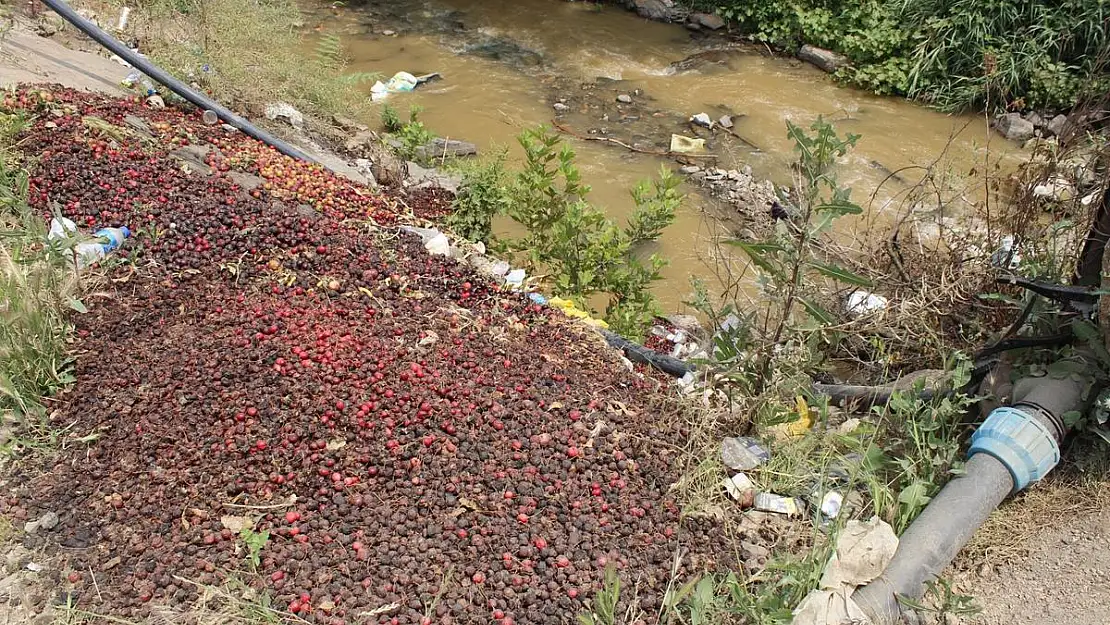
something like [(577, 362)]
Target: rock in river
[(708, 20), (440, 147), (653, 9), (1014, 127), (825, 59)]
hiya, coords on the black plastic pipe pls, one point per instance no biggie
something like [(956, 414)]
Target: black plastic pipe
[(188, 93), (639, 353)]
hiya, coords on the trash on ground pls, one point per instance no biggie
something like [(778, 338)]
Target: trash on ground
[(795, 428), (770, 502), (684, 145), (725, 121), (427, 78), (401, 82), (863, 302), (743, 453), (284, 111), (702, 119), (1006, 257), (210, 118), (124, 14), (88, 253), (828, 607), (438, 245), (434, 241), (34, 567), (47, 521), (570, 310), (236, 523), (538, 299), (863, 550), (741, 488), (831, 504), (515, 278)]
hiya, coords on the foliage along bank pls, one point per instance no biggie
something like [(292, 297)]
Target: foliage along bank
[(954, 54)]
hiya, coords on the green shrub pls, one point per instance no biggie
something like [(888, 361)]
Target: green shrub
[(586, 255), (483, 195), (954, 54), (411, 135)]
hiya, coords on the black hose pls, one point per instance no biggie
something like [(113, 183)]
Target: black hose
[(641, 354), (173, 84)]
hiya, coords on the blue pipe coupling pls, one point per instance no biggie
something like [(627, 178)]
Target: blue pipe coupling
[(1020, 442)]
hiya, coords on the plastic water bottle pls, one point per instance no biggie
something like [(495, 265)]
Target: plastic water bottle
[(107, 239), (88, 253)]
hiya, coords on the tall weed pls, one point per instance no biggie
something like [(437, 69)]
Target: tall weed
[(253, 52), (37, 291)]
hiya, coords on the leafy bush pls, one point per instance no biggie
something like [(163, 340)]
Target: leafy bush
[(587, 257), (955, 54), (586, 254), (482, 196), (37, 291), (411, 135)]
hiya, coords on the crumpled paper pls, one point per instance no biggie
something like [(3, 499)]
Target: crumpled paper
[(863, 551)]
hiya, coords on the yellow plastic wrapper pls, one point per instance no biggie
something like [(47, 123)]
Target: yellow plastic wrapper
[(804, 421), (570, 310)]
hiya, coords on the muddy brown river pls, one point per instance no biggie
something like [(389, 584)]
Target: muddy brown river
[(505, 62)]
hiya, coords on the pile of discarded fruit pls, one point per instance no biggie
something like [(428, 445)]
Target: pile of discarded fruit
[(287, 390)]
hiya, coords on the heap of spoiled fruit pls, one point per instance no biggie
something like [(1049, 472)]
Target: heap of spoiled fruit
[(421, 446)]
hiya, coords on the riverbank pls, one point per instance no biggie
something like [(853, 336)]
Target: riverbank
[(157, 284)]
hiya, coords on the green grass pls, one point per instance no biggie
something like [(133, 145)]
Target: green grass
[(37, 293), (252, 53)]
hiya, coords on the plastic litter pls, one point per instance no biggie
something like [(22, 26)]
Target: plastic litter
[(770, 502), (831, 504), (1006, 257), (124, 13), (743, 453), (515, 278), (570, 310), (863, 551), (685, 145), (438, 245), (863, 302), (702, 119), (401, 82), (87, 253), (825, 607), (286, 111), (537, 298), (741, 488)]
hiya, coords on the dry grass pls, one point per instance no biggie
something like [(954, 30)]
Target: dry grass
[(250, 53)]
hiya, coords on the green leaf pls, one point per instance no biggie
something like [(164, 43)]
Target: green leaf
[(757, 252), (818, 313), (77, 305), (839, 206), (1089, 334), (840, 274)]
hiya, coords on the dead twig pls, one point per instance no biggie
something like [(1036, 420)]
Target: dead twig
[(668, 153)]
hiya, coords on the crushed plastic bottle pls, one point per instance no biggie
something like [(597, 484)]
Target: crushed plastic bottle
[(87, 253)]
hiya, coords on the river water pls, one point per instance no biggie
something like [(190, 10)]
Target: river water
[(505, 62)]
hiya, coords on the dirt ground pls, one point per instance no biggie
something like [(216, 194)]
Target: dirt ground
[(1044, 557)]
